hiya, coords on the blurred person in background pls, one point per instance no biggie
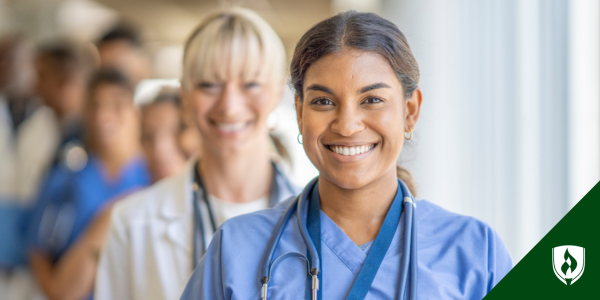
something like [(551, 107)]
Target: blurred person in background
[(162, 125), (234, 76), (62, 258), (63, 70), (122, 48), (28, 140)]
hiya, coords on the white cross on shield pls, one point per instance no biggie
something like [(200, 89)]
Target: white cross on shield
[(568, 263)]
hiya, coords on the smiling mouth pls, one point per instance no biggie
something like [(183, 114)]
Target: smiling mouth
[(354, 150), (231, 127)]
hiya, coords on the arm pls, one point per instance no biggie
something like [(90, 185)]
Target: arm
[(72, 277), (499, 260)]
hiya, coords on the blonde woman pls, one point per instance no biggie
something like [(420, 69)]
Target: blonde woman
[(234, 75)]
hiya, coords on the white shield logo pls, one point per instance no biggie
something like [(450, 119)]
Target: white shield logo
[(568, 263)]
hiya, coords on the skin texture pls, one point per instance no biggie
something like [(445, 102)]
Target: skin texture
[(17, 72), (73, 276), (63, 92), (356, 191), (229, 156), (161, 126)]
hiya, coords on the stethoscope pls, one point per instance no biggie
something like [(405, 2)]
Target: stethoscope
[(408, 263), (199, 234)]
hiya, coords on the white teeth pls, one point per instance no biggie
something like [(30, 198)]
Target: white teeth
[(231, 127), (351, 150)]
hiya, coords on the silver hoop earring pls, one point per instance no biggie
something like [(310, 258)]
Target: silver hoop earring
[(409, 136), (299, 138)]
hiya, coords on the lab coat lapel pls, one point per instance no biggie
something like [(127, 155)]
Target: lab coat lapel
[(176, 210)]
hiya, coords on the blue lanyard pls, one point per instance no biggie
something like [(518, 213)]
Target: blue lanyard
[(365, 278)]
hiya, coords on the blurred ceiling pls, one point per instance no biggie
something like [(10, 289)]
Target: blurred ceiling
[(164, 23), (170, 21)]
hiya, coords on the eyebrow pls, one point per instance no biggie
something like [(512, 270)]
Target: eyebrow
[(375, 86), (319, 88)]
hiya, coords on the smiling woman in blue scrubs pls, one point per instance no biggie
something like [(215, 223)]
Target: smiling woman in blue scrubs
[(357, 100), (62, 252)]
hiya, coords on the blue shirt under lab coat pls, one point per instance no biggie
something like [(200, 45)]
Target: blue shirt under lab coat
[(70, 200), (459, 257)]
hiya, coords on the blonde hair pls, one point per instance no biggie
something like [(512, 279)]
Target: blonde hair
[(230, 43)]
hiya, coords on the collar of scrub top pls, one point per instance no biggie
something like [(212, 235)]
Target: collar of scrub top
[(311, 234), (199, 238)]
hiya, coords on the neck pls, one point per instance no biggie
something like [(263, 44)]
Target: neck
[(359, 212), (114, 158), (237, 177)]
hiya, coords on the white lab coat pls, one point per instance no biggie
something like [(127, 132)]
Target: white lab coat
[(149, 248), (26, 154)]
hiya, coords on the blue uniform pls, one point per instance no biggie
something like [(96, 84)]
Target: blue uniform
[(459, 257), (70, 200)]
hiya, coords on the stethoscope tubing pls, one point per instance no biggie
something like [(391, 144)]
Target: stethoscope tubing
[(199, 184), (409, 258)]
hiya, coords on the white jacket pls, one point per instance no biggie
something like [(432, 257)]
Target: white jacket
[(148, 251), (26, 154)]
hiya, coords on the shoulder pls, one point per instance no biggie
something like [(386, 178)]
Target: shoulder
[(440, 223), (259, 218), (146, 204), (437, 216), (252, 225)]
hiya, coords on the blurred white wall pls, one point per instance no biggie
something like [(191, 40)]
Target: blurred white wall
[(510, 128)]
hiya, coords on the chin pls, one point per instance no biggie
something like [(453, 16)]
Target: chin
[(348, 181)]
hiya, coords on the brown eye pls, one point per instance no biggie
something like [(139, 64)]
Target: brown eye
[(372, 100), (251, 85), (322, 101)]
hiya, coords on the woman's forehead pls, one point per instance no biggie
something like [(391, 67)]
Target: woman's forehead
[(350, 67)]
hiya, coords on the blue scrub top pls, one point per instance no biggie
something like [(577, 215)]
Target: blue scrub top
[(70, 200), (459, 257)]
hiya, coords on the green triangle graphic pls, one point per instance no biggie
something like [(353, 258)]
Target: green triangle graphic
[(534, 278)]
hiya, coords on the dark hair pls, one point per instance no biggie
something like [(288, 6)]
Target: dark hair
[(112, 77), (361, 31), (67, 58), (122, 32)]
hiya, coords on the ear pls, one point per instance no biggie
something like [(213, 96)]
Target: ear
[(298, 104), (413, 110)]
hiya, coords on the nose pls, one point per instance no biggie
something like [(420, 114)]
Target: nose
[(348, 121), (231, 101), (104, 116)]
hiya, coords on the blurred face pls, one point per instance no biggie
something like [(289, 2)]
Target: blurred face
[(122, 55), (111, 116), (64, 93), (161, 126), (17, 73), (353, 117), (7, 64), (231, 115)]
